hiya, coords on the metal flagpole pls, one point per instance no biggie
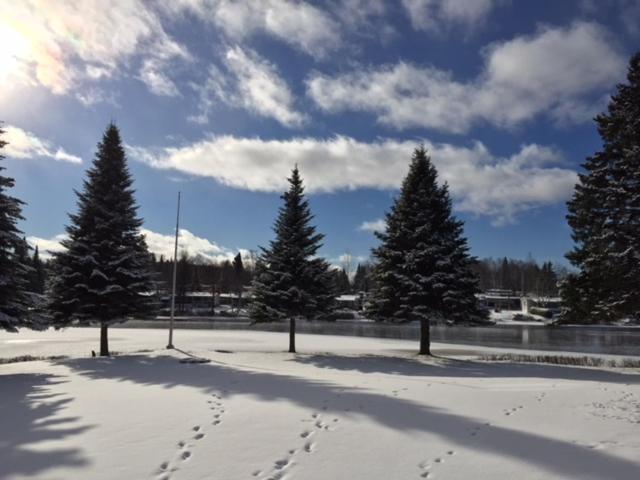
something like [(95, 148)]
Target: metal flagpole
[(173, 286)]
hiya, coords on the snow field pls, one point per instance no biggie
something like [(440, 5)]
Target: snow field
[(344, 408)]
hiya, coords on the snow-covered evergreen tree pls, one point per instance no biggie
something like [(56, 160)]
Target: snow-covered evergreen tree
[(604, 214), (14, 299), (423, 268), (103, 275), (289, 280)]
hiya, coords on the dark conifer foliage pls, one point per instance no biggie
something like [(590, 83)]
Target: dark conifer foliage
[(184, 281), (238, 279), (604, 215), (423, 269), (14, 269), (362, 278), (103, 275), (37, 277), (342, 285), (289, 280)]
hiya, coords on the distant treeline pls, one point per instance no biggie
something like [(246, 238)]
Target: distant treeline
[(520, 276), (195, 274)]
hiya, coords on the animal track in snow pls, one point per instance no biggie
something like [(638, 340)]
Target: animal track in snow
[(511, 411), (473, 431), (426, 466), (540, 397), (184, 452), (281, 466), (625, 408)]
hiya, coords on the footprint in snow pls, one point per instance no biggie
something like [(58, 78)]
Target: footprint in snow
[(426, 465)]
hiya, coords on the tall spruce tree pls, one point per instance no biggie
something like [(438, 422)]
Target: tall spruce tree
[(103, 275), (14, 299), (604, 215), (290, 281), (238, 279), (37, 277), (362, 278), (423, 268)]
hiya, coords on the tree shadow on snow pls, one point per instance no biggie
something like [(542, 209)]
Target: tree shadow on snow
[(455, 368), (30, 414), (563, 459)]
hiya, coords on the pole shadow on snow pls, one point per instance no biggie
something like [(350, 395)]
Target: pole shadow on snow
[(30, 414), (560, 458)]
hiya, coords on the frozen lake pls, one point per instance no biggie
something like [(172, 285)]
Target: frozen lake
[(584, 339)]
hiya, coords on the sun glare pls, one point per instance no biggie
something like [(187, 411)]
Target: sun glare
[(15, 50)]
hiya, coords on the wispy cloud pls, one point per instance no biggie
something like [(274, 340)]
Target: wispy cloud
[(439, 15), (550, 72), (249, 81), (152, 74), (480, 182), (24, 144), (298, 23)]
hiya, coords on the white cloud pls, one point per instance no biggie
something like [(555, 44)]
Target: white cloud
[(436, 15), (298, 23), (158, 82), (93, 96), (480, 182), (158, 243), (347, 262), (62, 44), (253, 83), (47, 246), (555, 71), (373, 226), (199, 247), (24, 144)]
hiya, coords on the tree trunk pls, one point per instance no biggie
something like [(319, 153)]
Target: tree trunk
[(292, 335), (104, 340), (425, 337)]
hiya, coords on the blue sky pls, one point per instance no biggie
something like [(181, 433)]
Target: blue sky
[(220, 99)]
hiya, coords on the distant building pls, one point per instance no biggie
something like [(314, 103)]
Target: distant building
[(501, 300)]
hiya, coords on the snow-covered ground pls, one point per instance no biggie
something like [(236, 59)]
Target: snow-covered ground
[(343, 408)]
